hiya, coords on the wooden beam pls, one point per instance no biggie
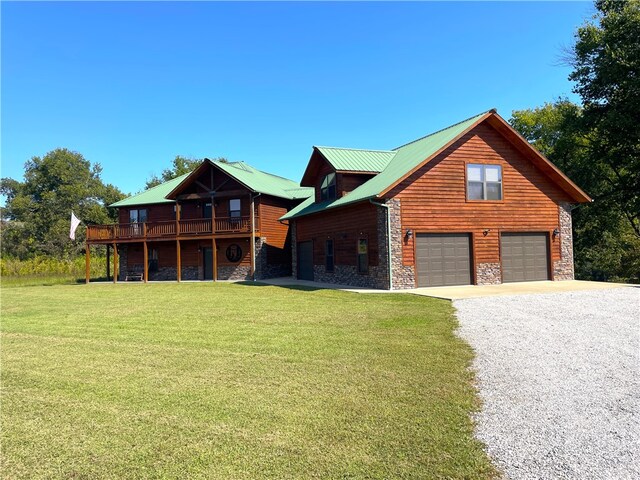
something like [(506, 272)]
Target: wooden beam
[(202, 185), (253, 239), (115, 263), (214, 260), (179, 263), (145, 267), (193, 196), (87, 264), (108, 262), (230, 193)]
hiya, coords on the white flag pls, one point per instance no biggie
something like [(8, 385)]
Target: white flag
[(74, 224)]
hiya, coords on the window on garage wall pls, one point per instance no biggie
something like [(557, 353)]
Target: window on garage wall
[(328, 255), (484, 182), (363, 255)]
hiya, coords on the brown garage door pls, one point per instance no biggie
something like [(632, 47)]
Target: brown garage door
[(443, 259), (525, 257)]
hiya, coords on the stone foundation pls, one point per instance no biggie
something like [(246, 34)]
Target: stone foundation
[(164, 274), (348, 275), (488, 274), (563, 268), (234, 272)]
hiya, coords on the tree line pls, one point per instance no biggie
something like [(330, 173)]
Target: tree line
[(596, 143)]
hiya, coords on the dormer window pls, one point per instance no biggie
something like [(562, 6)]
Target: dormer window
[(328, 187)]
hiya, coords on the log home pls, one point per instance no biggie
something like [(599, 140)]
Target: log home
[(473, 203), (220, 222)]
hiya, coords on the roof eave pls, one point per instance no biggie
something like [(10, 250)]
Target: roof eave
[(562, 180)]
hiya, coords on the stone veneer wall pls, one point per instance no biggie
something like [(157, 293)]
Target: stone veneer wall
[(403, 275), (488, 274), (234, 272), (122, 259), (264, 269), (348, 275), (563, 268)]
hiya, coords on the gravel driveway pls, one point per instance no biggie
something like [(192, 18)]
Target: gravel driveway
[(559, 378)]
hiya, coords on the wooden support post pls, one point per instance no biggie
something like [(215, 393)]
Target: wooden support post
[(179, 263), (87, 264), (177, 219), (108, 262), (115, 263), (214, 259), (145, 252), (253, 240)]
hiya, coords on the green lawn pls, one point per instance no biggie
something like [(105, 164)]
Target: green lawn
[(197, 380)]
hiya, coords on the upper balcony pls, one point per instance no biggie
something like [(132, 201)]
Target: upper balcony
[(168, 230)]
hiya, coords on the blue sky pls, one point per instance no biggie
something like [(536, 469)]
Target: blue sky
[(132, 85)]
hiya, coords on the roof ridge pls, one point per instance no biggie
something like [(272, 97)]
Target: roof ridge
[(493, 110), (355, 149)]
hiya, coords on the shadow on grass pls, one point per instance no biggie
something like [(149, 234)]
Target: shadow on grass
[(302, 288)]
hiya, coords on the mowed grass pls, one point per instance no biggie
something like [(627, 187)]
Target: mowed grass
[(202, 380)]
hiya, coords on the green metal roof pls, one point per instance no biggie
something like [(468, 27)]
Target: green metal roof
[(356, 160), (254, 179), (262, 182), (406, 158), (153, 195)]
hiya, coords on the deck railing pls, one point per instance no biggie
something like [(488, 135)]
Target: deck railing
[(156, 230)]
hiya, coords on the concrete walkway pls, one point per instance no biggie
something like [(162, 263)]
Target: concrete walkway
[(464, 291), (519, 288)]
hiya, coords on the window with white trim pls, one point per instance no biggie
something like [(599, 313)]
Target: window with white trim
[(484, 182)]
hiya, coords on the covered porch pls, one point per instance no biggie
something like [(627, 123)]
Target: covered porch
[(215, 257)]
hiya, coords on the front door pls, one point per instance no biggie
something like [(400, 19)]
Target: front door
[(207, 263), (305, 260)]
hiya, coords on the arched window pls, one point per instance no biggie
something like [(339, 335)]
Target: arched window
[(328, 187)]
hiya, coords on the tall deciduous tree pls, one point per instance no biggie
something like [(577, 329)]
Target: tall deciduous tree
[(606, 69), (605, 245), (37, 213)]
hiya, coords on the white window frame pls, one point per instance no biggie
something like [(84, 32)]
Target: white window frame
[(483, 181)]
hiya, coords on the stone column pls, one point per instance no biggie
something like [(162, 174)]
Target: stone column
[(403, 275), (563, 268)]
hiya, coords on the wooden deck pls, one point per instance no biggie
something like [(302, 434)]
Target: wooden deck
[(170, 230)]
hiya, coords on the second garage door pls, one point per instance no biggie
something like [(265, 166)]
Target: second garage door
[(443, 259), (525, 257)]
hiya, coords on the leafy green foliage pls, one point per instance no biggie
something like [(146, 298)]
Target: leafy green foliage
[(605, 245), (179, 166), (598, 144), (37, 214), (47, 270), (606, 66)]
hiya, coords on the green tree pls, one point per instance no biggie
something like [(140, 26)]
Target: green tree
[(606, 69), (605, 245), (37, 211), (179, 166)]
